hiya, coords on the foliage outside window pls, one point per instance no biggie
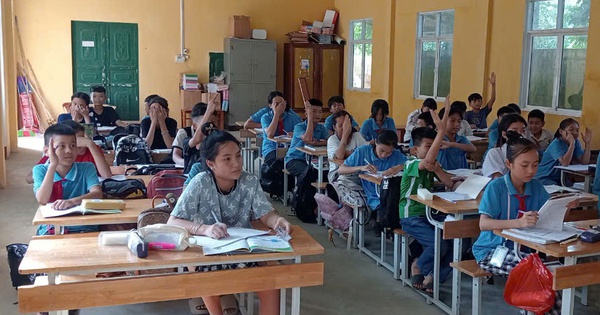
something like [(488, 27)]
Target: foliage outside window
[(555, 54), (434, 54), (361, 54)]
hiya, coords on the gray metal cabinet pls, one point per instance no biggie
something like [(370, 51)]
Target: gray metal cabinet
[(250, 66)]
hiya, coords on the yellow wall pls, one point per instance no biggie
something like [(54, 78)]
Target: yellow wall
[(46, 31)]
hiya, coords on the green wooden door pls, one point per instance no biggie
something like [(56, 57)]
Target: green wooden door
[(107, 54)]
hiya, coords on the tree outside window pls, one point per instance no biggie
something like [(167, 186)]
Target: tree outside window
[(361, 54)]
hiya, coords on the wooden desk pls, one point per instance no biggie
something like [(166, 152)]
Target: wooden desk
[(320, 154), (371, 178), (482, 146), (586, 174), (82, 255), (132, 210), (570, 252), (283, 141)]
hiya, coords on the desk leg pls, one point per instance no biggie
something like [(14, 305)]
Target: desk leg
[(250, 308), (296, 295), (568, 295), (562, 177), (361, 230), (282, 297), (587, 184), (436, 263), (63, 312), (320, 180), (456, 274)]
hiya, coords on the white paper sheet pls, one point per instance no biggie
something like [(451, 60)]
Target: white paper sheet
[(235, 234), (552, 213)]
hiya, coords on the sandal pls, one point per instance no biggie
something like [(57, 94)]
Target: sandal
[(417, 281), (428, 288)]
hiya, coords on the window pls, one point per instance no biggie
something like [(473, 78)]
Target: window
[(554, 55), (361, 54), (434, 54)]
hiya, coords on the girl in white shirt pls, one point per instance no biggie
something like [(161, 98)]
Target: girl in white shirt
[(494, 165)]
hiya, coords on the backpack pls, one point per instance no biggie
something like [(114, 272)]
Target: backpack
[(131, 149), (157, 214), (123, 189), (389, 200), (303, 201), (133, 129), (338, 217), (16, 252), (271, 178), (154, 169), (167, 181)]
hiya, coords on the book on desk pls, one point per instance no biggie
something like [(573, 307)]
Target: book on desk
[(468, 190), (315, 148), (48, 212), (242, 240)]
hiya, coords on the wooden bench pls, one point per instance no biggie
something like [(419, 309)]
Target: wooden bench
[(467, 229), (401, 251), (576, 276), (286, 173)]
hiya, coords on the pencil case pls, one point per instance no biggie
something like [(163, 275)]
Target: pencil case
[(591, 235), (137, 244), (103, 204), (165, 237)]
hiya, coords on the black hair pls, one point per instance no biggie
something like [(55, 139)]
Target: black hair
[(209, 149), (339, 114), (382, 105), (426, 117), (335, 99), (517, 145), (57, 130), (98, 89), (84, 96), (453, 110), (474, 97), (75, 125), (430, 103), (273, 95), (418, 134), (515, 107), (387, 137), (150, 97), (536, 113), (504, 110), (505, 124), (460, 105), (199, 110), (315, 102), (161, 101), (564, 125)]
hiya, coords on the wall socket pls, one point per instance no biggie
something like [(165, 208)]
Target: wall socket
[(180, 58)]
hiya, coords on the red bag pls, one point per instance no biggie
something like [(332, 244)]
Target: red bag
[(529, 286), (164, 182)]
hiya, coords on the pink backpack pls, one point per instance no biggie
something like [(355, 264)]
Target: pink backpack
[(164, 182), (339, 218)]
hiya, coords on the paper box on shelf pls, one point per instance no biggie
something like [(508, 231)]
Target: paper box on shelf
[(240, 26)]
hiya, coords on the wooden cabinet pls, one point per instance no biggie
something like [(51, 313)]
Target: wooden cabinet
[(321, 65)]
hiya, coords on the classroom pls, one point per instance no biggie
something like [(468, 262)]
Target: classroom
[(487, 105)]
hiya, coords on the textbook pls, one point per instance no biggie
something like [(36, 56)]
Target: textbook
[(552, 189), (235, 234), (257, 244), (468, 190), (48, 212)]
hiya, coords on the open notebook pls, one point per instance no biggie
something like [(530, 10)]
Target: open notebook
[(48, 212), (256, 244), (468, 190)]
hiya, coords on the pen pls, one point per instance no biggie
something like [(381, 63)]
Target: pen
[(571, 240), (366, 161), (215, 216)]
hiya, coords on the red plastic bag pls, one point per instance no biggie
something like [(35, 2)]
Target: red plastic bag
[(529, 286)]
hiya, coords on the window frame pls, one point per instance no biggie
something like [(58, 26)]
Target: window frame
[(438, 38), (559, 32), (351, 43)]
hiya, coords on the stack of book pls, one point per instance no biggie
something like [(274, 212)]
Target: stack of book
[(298, 37), (189, 81)]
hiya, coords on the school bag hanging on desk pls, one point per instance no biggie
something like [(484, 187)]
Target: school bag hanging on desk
[(388, 209), (303, 201), (131, 149), (123, 189), (167, 181)]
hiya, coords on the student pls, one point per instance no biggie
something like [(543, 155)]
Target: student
[(514, 107), (453, 153), (382, 156), (187, 141), (424, 120), (411, 122), (493, 134), (343, 142), (235, 197), (465, 128), (336, 104), (308, 132), (147, 104), (62, 181), (79, 110), (494, 164), (87, 151), (477, 117), (419, 172), (278, 121), (510, 201), (254, 120), (542, 137), (564, 150), (159, 129), (378, 121), (103, 115)]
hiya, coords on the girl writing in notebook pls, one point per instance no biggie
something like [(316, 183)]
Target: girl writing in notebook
[(510, 201), (235, 197)]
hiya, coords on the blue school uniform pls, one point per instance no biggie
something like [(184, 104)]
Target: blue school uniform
[(494, 125), (320, 133), (370, 129), (453, 158), (495, 203), (258, 115), (289, 122), (329, 122), (367, 152), (546, 173), (79, 180), (478, 119), (493, 138)]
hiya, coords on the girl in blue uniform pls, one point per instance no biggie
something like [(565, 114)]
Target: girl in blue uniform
[(378, 121)]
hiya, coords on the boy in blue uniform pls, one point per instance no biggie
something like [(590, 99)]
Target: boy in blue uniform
[(378, 121), (336, 104), (418, 173), (309, 132), (477, 117), (453, 154), (254, 119), (62, 181), (493, 133), (381, 156), (278, 121)]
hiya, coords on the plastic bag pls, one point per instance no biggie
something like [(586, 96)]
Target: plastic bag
[(529, 286)]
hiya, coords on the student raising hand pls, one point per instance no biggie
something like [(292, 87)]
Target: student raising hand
[(52, 157), (587, 136)]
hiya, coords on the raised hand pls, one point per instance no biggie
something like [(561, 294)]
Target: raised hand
[(347, 126), (587, 136), (492, 78)]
